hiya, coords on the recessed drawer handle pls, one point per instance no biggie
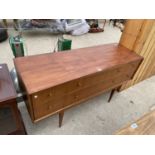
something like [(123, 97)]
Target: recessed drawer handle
[(118, 70), (49, 107), (50, 94), (35, 96), (79, 84), (113, 81), (76, 97)]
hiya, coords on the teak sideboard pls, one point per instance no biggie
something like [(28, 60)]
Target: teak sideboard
[(54, 82)]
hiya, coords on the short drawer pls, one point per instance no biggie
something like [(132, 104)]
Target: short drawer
[(57, 91), (43, 96), (68, 87), (46, 107)]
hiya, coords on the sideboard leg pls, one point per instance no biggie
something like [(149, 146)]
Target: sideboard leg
[(119, 88), (61, 115), (111, 94)]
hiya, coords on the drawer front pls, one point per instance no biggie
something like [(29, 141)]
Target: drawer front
[(72, 86), (99, 76), (102, 86), (46, 107), (93, 90), (62, 96), (68, 87), (127, 69), (43, 96)]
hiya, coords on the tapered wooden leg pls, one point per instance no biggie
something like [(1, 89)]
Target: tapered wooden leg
[(111, 94), (119, 88), (61, 115)]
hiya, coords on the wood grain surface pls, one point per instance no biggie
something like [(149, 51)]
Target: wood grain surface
[(139, 36), (143, 126), (55, 82)]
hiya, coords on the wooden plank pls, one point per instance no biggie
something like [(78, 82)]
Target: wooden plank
[(152, 64), (144, 45), (133, 26), (152, 70), (129, 37), (142, 36), (128, 40), (143, 126), (130, 33), (148, 71), (147, 53)]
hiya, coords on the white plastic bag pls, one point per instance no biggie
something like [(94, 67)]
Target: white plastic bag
[(73, 24), (84, 28)]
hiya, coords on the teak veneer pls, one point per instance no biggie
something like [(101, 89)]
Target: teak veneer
[(56, 81)]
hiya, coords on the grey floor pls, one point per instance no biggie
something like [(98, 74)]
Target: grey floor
[(96, 116)]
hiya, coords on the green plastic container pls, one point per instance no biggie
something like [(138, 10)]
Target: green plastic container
[(17, 46), (64, 44)]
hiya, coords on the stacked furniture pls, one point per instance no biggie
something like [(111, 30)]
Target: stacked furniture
[(10, 118)]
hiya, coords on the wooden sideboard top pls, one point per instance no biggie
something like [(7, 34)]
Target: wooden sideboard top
[(7, 90), (43, 71)]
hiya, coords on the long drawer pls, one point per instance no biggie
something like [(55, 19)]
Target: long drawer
[(95, 89), (84, 82), (54, 99)]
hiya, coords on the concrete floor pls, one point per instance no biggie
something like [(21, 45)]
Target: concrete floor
[(96, 116)]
